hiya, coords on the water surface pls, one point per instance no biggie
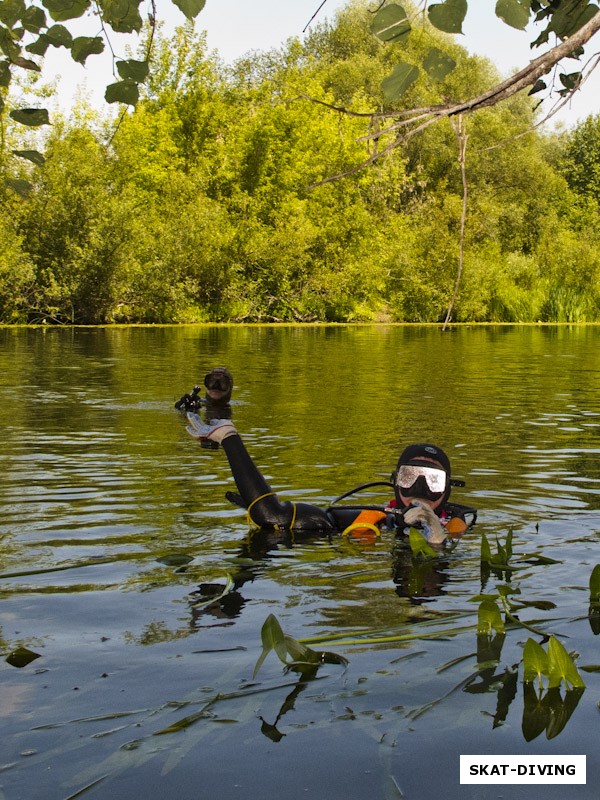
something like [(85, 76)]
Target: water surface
[(114, 531)]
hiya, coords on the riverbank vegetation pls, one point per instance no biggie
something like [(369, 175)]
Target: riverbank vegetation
[(207, 202)]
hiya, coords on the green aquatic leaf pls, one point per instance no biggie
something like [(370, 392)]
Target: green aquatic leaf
[(300, 652), (391, 24), (272, 638), (448, 16), (535, 662), (595, 585), (489, 618), (486, 550), (562, 666), (419, 546), (514, 12), (400, 79), (21, 657)]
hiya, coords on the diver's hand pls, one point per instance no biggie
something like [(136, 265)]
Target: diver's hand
[(432, 528), (216, 430)]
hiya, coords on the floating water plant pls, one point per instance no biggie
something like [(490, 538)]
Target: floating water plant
[(555, 664), (302, 658), (419, 546)]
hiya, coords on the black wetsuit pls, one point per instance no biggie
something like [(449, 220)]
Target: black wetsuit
[(266, 510)]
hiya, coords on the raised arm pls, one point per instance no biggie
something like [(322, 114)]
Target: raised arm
[(265, 509)]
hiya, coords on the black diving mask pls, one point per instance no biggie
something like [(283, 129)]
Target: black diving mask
[(216, 383)]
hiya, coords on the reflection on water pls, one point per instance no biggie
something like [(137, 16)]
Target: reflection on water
[(118, 543)]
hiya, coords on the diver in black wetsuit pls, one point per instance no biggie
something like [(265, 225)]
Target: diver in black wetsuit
[(421, 482), (218, 385)]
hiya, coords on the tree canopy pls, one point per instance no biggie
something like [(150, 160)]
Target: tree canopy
[(198, 207), (29, 27)]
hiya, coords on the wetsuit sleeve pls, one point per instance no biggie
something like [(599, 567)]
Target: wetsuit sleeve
[(264, 507)]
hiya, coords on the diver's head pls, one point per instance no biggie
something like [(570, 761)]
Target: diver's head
[(219, 385), (422, 474)]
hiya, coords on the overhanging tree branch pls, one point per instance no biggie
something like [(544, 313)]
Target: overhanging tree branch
[(416, 120)]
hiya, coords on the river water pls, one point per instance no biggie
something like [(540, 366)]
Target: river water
[(118, 547)]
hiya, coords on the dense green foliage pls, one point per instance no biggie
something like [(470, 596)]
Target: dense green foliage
[(203, 205)]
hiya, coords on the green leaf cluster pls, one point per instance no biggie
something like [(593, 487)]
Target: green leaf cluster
[(555, 664)]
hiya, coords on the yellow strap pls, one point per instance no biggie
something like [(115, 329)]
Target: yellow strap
[(361, 525), (262, 497), (256, 499)]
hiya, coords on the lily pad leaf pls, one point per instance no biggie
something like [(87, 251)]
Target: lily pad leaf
[(448, 16), (514, 12), (133, 70), (34, 117), (401, 78), (438, 64), (191, 8), (391, 24), (122, 92), (31, 155), (84, 46)]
